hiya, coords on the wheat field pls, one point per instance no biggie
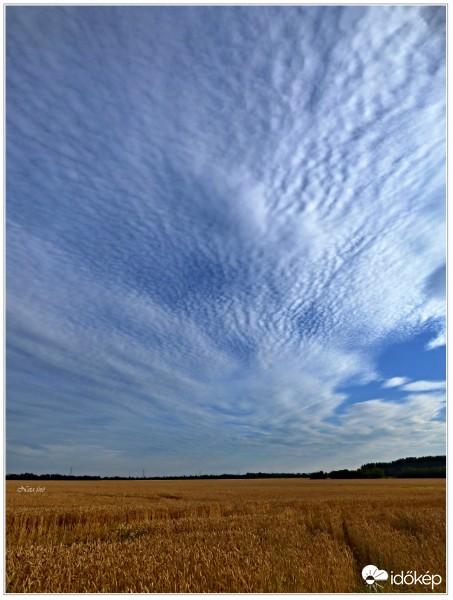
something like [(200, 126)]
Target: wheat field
[(270, 535)]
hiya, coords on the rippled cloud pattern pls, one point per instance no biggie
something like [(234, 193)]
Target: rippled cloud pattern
[(218, 219)]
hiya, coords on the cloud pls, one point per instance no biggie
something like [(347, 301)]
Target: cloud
[(374, 416), (375, 425), (438, 341), (424, 386), (216, 217), (395, 382)]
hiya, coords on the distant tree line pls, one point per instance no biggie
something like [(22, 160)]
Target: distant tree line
[(423, 472), (361, 473), (396, 467), (58, 476), (425, 466)]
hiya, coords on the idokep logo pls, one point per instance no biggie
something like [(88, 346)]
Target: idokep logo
[(411, 578), (373, 576)]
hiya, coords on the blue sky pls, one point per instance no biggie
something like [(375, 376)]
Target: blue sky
[(225, 237)]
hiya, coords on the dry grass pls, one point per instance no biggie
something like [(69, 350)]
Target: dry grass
[(222, 536)]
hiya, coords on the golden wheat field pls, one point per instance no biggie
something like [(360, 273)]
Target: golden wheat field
[(290, 535)]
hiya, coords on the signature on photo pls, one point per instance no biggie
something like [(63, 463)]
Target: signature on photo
[(28, 488)]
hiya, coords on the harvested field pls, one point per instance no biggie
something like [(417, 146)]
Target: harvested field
[(290, 535)]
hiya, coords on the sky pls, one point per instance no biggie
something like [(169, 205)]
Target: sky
[(225, 238)]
